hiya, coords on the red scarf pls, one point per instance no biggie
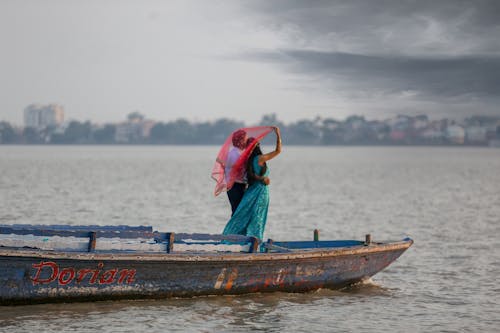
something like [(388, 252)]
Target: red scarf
[(226, 181)]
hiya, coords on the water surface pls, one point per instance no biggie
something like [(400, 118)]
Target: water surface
[(446, 199)]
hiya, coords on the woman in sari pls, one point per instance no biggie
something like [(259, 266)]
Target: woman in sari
[(251, 215)]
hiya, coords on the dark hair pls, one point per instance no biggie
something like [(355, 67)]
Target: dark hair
[(252, 177)]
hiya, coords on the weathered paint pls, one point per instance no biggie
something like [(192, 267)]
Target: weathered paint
[(34, 276), (220, 278)]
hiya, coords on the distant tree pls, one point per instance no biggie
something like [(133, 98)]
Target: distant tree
[(135, 116), (7, 133), (177, 132), (105, 135), (182, 131), (32, 136), (223, 127), (330, 132), (303, 132), (482, 120), (159, 134), (204, 133), (75, 133), (422, 117), (383, 132), (355, 121), (271, 120)]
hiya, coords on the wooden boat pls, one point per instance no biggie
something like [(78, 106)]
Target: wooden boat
[(81, 263)]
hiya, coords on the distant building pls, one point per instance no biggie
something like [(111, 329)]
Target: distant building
[(397, 135), (431, 134), (420, 122), (455, 134), (126, 132), (43, 116), (146, 127), (355, 122), (400, 123), (476, 134), (135, 129)]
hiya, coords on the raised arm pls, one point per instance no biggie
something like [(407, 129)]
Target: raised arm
[(269, 156)]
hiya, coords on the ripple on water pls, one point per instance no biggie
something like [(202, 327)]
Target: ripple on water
[(445, 199)]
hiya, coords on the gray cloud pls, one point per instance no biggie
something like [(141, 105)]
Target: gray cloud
[(173, 59), (451, 27), (438, 51), (449, 77)]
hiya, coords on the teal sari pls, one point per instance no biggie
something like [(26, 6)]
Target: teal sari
[(251, 215)]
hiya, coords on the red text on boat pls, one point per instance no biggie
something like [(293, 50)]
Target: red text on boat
[(68, 275)]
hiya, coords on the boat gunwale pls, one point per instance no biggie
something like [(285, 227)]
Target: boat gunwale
[(208, 256)]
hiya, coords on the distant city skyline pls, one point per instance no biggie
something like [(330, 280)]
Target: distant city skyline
[(44, 126), (241, 60)]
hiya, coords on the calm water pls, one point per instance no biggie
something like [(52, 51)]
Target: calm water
[(447, 199)]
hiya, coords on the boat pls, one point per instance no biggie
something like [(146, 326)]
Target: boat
[(61, 263)]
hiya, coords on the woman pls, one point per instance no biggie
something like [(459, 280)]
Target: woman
[(235, 194), (251, 215)]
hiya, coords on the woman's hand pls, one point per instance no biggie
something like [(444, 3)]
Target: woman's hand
[(278, 133), (278, 139), (266, 157), (266, 180)]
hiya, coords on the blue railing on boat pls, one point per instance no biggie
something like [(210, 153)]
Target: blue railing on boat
[(93, 232), (79, 227), (318, 244), (126, 232)]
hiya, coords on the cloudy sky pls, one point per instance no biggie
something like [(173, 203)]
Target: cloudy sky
[(203, 60)]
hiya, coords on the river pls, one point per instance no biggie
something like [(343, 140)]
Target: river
[(447, 199)]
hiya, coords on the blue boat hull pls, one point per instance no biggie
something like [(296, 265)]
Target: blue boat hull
[(33, 276)]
